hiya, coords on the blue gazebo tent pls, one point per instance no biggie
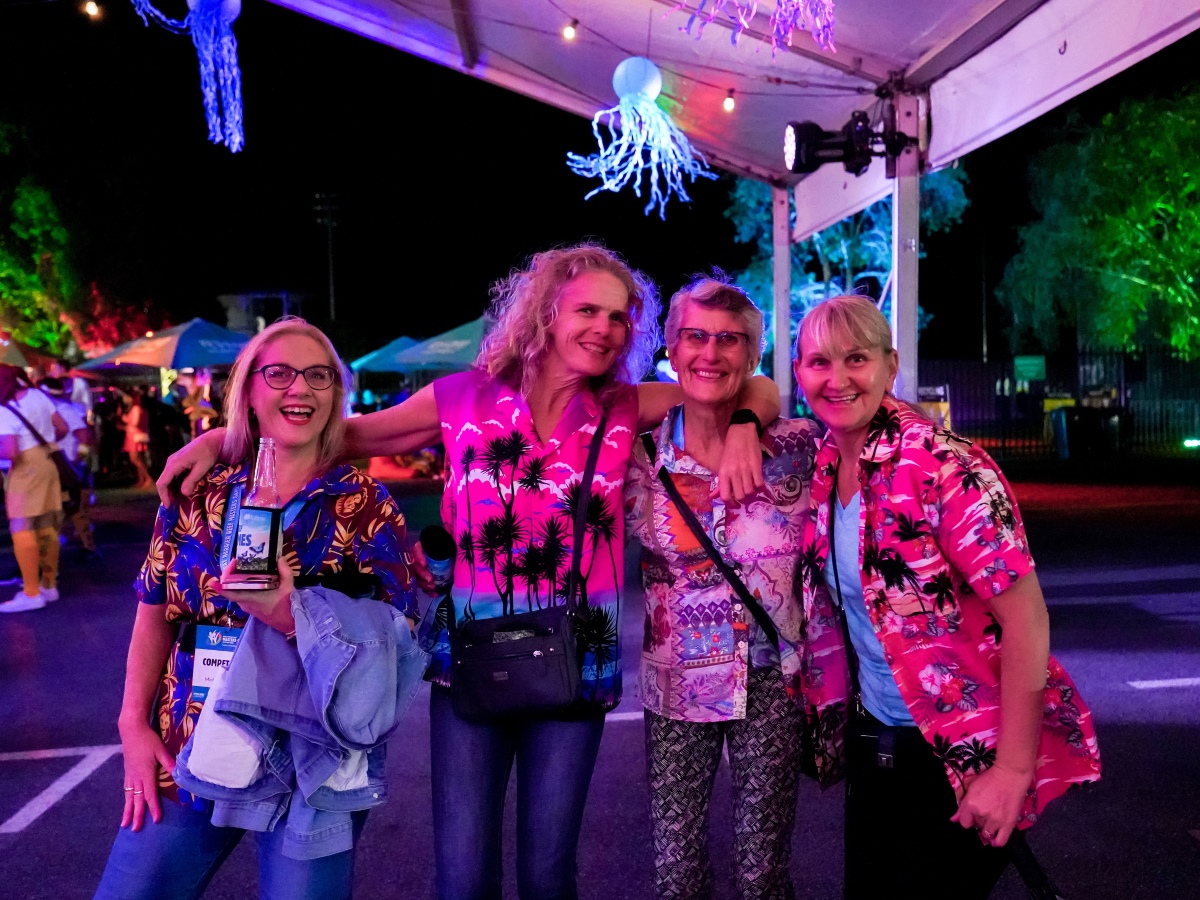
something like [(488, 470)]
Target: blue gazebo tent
[(197, 344), (382, 360), (454, 351)]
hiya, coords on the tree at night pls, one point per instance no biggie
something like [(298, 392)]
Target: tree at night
[(1115, 251), (853, 255), (36, 281)]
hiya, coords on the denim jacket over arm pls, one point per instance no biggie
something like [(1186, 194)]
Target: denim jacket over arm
[(315, 709)]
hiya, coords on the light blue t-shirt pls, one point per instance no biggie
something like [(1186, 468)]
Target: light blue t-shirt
[(880, 695)]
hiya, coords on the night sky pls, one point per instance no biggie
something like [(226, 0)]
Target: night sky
[(446, 182)]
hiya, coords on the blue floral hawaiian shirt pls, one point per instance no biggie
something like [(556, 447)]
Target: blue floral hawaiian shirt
[(348, 524)]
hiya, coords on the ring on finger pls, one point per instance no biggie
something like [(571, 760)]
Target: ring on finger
[(135, 793), (127, 789)]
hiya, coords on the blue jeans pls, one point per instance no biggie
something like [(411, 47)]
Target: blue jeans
[(175, 860), (471, 763)]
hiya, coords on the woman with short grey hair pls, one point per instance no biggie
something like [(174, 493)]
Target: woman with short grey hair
[(710, 674)]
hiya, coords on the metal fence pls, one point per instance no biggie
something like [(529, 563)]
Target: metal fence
[(1112, 403)]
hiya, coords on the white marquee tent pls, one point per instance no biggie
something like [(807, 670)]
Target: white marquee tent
[(965, 72)]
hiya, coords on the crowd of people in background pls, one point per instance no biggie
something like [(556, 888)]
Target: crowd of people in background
[(107, 435)]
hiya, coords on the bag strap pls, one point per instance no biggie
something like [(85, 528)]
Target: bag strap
[(16, 412), (689, 517), (851, 657), (1037, 883), (581, 509)]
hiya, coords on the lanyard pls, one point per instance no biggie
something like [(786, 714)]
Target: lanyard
[(856, 707)]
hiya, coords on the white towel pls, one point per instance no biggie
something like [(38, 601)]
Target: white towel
[(222, 752)]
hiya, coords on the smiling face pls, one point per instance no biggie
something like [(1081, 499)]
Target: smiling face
[(710, 374), (844, 387), (296, 415), (590, 328)]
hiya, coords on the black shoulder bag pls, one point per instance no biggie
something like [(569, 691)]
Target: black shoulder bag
[(527, 663), (689, 517), (67, 479)]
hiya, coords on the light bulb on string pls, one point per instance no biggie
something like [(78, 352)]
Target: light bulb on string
[(729, 103), (571, 30)]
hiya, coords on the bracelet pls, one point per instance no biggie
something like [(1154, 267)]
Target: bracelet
[(746, 416), (290, 637)]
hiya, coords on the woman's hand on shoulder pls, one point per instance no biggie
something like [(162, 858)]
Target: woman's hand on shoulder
[(272, 607), (740, 475), (188, 465), (993, 802), (144, 754)]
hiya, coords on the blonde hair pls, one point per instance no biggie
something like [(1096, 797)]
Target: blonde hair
[(241, 431), (525, 305), (842, 323), (717, 292)]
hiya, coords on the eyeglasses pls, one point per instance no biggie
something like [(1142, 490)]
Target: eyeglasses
[(281, 377), (697, 338)]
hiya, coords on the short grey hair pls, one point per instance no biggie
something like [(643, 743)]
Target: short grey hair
[(717, 292)]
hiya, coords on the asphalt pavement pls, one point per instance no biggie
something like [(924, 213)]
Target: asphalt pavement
[(1121, 570)]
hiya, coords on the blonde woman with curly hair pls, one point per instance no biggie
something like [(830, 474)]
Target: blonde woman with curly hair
[(287, 385), (574, 332)]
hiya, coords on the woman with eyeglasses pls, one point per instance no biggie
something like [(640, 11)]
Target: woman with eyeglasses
[(286, 385), (711, 676)]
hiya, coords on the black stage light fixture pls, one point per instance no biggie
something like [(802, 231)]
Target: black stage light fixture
[(807, 146)]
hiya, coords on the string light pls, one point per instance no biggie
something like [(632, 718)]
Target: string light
[(91, 8), (571, 30), (729, 103)]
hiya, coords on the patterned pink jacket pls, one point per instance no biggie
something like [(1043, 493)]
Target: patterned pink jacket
[(939, 538)]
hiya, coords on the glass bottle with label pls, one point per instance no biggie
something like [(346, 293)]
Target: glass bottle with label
[(259, 535)]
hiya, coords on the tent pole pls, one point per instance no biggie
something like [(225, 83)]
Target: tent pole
[(782, 270), (906, 232)]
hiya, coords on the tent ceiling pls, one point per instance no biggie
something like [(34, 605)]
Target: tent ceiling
[(989, 65)]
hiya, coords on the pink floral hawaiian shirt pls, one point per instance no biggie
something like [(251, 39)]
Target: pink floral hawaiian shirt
[(699, 641), (940, 538)]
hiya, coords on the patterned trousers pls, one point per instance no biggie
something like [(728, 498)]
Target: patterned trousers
[(764, 758)]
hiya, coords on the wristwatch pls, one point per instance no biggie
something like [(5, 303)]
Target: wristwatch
[(746, 417)]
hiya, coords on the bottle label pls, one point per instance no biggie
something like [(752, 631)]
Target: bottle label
[(256, 542)]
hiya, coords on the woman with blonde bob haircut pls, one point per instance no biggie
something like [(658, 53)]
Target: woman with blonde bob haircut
[(914, 567), (286, 386), (241, 429), (575, 330)]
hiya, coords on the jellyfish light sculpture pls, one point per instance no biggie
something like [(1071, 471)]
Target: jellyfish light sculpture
[(210, 24), (642, 142), (789, 16)]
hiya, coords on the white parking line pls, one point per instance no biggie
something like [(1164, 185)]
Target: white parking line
[(1164, 683), (93, 758), (55, 754)]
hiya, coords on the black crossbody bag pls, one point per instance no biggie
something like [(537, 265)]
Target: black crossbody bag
[(1037, 883), (689, 517), (527, 663)]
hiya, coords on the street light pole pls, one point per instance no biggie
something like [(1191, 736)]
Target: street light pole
[(327, 206)]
